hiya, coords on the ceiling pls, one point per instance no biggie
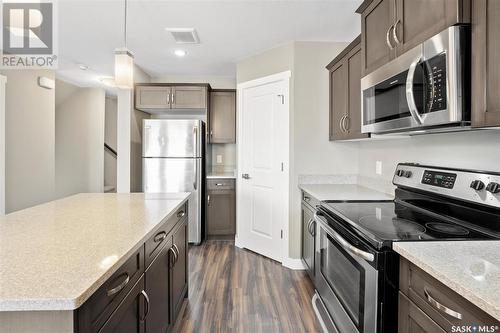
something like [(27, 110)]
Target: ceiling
[(229, 31)]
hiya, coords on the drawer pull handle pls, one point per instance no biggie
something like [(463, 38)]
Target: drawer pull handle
[(306, 198), (441, 307), (219, 184), (146, 305), (177, 253), (174, 257), (181, 214), (119, 287), (160, 237)]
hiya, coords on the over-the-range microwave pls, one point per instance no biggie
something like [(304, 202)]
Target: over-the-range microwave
[(426, 89)]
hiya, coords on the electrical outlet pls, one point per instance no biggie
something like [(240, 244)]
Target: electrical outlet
[(219, 159), (378, 167)]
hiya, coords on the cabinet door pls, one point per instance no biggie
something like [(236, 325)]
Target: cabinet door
[(485, 55), (419, 20), (158, 288), (353, 120), (221, 212), (130, 315), (179, 274), (222, 117), (308, 231), (413, 320), (152, 97), (376, 22), (338, 100), (189, 97)]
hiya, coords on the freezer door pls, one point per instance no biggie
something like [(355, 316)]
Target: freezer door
[(166, 175), (172, 138)]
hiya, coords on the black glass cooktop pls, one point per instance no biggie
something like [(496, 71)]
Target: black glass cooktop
[(382, 223)]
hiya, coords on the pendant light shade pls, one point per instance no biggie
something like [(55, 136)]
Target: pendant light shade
[(124, 68), (124, 61)]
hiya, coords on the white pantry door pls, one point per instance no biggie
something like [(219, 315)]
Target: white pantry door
[(263, 157)]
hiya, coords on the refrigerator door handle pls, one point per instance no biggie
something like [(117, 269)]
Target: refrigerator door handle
[(195, 145), (195, 183)]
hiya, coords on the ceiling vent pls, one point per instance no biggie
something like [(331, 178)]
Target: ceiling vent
[(184, 35)]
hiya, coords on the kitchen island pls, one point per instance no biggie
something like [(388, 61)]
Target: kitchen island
[(69, 265)]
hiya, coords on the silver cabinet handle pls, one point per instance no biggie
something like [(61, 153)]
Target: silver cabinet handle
[(245, 176), (345, 123), (173, 97), (119, 287), (441, 307), (410, 98), (176, 249), (341, 123), (146, 310), (181, 214), (342, 242), (306, 198), (208, 200), (395, 32), (219, 184), (168, 98), (160, 237), (310, 227), (172, 262), (387, 38)]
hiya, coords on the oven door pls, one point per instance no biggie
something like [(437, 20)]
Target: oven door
[(346, 279), (421, 88)]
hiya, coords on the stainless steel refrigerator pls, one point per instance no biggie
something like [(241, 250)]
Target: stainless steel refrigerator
[(173, 160)]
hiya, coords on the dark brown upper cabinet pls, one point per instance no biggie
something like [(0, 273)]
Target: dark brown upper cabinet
[(222, 116), (485, 54), (391, 27), (345, 94)]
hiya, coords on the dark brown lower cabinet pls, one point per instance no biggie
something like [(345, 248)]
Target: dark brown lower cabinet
[(308, 232), (221, 207), (159, 317), (414, 320), (179, 273), (129, 316)]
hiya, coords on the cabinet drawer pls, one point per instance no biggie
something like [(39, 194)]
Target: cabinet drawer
[(443, 305), (156, 242), (221, 184), (98, 308)]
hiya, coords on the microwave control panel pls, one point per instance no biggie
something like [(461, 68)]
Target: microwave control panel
[(440, 179), (435, 69)]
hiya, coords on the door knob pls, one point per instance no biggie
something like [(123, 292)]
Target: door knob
[(245, 176)]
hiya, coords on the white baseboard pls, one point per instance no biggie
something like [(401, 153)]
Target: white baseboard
[(295, 264)]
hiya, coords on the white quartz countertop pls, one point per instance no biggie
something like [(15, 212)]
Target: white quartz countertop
[(470, 268), (56, 255), (227, 175), (343, 192)]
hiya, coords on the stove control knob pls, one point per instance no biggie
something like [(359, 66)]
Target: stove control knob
[(477, 185), (407, 174), (400, 173), (493, 188)]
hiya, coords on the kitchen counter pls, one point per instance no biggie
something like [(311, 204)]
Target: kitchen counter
[(56, 255), (470, 268), (342, 192), (224, 175)]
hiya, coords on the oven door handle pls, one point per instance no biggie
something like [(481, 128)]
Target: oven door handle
[(410, 97), (342, 242)]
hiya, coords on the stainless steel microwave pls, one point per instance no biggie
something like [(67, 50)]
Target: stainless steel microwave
[(424, 89)]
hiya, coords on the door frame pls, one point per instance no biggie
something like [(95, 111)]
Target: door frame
[(285, 198)]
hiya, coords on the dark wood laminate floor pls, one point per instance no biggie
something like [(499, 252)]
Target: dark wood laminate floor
[(235, 290)]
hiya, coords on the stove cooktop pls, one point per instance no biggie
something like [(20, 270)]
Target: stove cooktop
[(384, 222)]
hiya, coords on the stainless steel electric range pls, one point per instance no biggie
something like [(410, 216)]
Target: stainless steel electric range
[(357, 271)]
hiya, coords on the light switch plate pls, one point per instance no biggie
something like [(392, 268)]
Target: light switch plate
[(219, 159), (378, 167)]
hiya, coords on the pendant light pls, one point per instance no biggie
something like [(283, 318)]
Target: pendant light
[(124, 62)]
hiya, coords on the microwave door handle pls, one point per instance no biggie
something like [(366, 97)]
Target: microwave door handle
[(342, 242), (410, 97)]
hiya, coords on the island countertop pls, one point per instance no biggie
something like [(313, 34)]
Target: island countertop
[(54, 256)]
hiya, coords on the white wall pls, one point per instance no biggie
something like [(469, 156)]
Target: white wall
[(79, 139), (310, 150), (110, 122), (470, 150), (3, 80), (29, 139)]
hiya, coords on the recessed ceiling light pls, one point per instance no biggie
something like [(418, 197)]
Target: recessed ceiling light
[(109, 81), (83, 67), (180, 53)]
